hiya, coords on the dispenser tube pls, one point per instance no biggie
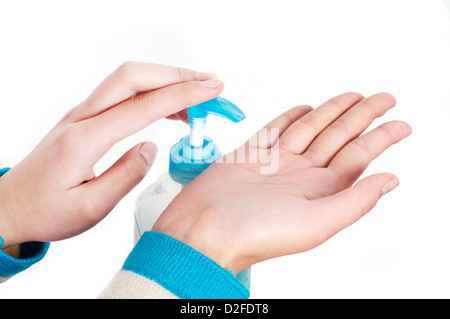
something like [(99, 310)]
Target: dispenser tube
[(197, 126), (196, 137)]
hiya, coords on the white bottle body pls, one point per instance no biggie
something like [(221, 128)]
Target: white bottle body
[(153, 201)]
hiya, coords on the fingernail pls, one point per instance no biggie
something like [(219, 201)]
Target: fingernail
[(147, 149), (202, 76), (389, 186), (213, 83)]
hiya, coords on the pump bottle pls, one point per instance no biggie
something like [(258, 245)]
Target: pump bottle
[(188, 158)]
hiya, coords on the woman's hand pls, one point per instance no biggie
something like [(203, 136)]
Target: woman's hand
[(238, 215), (53, 193)]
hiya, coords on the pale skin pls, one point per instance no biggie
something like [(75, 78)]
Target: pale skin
[(248, 217), (245, 218)]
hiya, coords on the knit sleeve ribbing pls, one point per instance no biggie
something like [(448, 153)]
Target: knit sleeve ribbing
[(176, 268), (23, 256)]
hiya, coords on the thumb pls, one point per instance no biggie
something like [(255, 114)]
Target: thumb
[(342, 209), (118, 180)]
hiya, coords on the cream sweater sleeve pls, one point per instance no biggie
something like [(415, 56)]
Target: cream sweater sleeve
[(162, 267)]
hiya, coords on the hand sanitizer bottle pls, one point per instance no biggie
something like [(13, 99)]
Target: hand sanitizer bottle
[(188, 158)]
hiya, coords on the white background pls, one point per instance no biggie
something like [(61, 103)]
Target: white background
[(272, 55)]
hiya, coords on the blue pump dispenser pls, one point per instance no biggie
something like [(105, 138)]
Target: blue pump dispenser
[(195, 152), (188, 158)]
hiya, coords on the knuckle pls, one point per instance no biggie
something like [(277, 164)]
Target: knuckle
[(184, 74), (68, 137), (369, 106), (361, 142), (88, 210), (124, 70), (71, 140), (341, 125), (366, 207), (70, 115), (378, 104), (135, 167), (384, 129), (180, 73), (363, 147), (341, 103), (188, 90), (311, 121), (336, 103)]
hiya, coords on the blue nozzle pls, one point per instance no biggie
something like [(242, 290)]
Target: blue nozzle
[(218, 106), (195, 152)]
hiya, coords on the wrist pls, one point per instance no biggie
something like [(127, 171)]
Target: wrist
[(9, 236), (202, 232)]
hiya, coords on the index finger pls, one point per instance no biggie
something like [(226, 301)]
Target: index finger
[(131, 78), (131, 116)]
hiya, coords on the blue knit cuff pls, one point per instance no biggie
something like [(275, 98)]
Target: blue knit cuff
[(29, 254), (4, 170), (182, 270)]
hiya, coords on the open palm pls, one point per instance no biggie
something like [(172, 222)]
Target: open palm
[(290, 187)]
